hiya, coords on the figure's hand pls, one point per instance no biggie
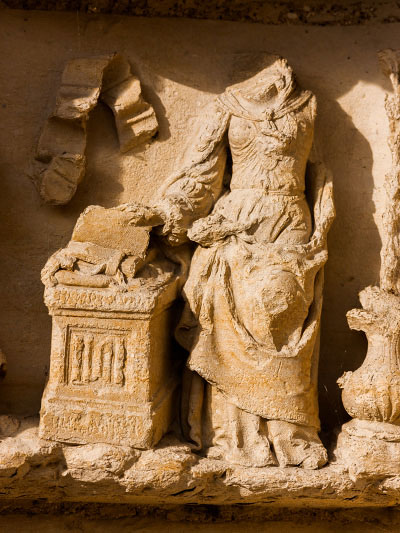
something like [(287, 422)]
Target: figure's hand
[(209, 230), (315, 244), (141, 215)]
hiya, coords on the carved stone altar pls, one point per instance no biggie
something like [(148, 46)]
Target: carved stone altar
[(112, 375), (111, 379)]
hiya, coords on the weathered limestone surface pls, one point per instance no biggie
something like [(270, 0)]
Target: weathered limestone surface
[(180, 77), (346, 90), (371, 442), (112, 375), (252, 297), (171, 474)]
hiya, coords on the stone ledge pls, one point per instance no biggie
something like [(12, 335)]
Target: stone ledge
[(32, 468), (142, 301), (296, 12)]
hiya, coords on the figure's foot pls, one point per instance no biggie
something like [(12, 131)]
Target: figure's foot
[(296, 445), (237, 456)]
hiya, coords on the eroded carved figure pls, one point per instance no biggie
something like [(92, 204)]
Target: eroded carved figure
[(253, 293), (254, 290), (370, 443)]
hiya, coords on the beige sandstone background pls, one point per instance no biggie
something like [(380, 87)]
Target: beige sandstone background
[(182, 63)]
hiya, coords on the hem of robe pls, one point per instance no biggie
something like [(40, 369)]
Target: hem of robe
[(290, 414)]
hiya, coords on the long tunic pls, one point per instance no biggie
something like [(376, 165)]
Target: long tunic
[(253, 298)]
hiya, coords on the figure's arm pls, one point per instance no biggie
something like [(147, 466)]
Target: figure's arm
[(191, 198), (191, 193), (320, 182), (319, 191)]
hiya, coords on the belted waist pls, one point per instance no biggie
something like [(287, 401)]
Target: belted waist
[(290, 194)]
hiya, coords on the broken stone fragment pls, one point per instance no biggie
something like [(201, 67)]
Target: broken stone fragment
[(101, 240), (107, 259), (62, 144), (82, 280), (135, 119), (103, 457), (60, 179), (111, 228)]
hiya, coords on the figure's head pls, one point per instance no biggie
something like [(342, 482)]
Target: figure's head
[(272, 80)]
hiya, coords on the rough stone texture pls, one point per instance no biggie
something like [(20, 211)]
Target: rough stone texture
[(253, 294), (181, 74), (112, 375), (390, 260), (313, 12), (369, 448), (172, 475), (163, 53)]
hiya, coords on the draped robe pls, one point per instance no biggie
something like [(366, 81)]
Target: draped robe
[(253, 298)]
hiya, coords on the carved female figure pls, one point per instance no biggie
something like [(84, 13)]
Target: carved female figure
[(254, 290)]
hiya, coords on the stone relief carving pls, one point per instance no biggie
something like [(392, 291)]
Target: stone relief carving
[(60, 156), (252, 296), (112, 375), (370, 443), (252, 301)]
